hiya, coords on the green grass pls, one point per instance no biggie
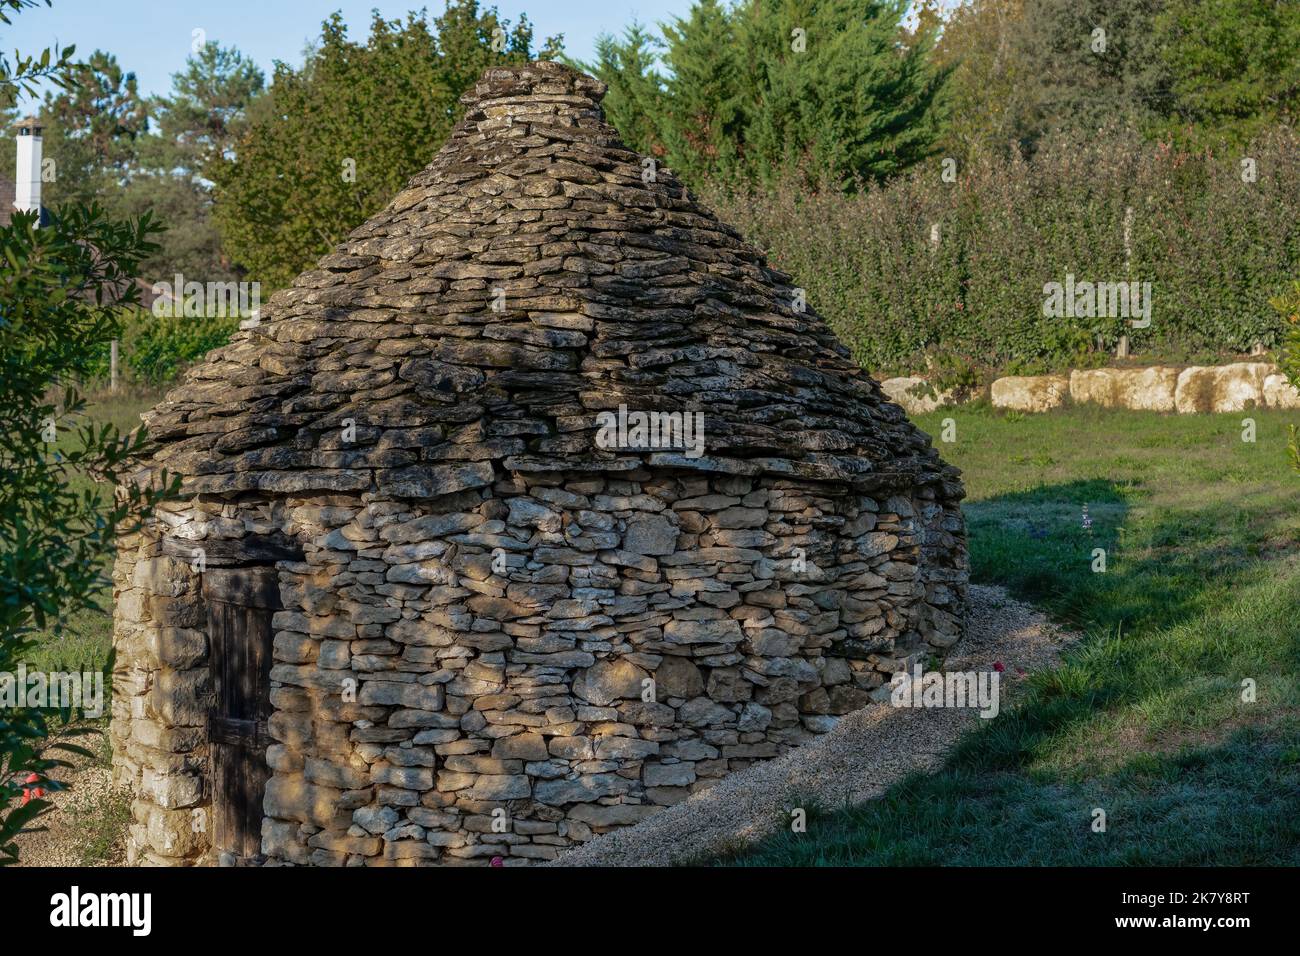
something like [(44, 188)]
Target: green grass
[(1145, 717), (83, 640), (101, 820)]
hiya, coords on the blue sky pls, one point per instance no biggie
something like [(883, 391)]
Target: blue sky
[(153, 37)]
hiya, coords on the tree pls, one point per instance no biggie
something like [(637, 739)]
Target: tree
[(24, 73), (329, 144), (634, 101), (847, 95), (986, 80), (1235, 67), (61, 286), (704, 117), (90, 132), (201, 119), (857, 103), (1085, 65), (192, 128)]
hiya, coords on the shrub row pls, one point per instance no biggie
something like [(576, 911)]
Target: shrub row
[(153, 349), (1215, 242)]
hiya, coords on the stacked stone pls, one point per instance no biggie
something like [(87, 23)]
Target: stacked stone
[(500, 637)]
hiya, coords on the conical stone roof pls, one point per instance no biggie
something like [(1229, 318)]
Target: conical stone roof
[(530, 277)]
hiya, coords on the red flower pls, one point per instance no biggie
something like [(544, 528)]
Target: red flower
[(999, 666), (32, 793)]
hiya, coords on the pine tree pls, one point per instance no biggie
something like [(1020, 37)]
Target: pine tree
[(752, 90), (634, 102), (704, 117)]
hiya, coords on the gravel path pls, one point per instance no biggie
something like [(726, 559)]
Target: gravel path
[(867, 751), (63, 841)]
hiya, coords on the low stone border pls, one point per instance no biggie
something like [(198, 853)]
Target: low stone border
[(1217, 388)]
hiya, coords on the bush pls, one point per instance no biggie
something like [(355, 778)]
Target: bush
[(153, 349), (1214, 248), (1288, 304)]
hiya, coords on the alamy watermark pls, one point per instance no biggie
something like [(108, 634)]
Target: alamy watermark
[(192, 300), (933, 689), (659, 431), (1091, 300), (83, 691)]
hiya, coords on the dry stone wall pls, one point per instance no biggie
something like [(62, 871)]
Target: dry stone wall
[(510, 673), (501, 633)]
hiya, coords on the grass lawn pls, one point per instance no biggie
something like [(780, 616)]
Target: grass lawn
[(83, 641), (1146, 718)]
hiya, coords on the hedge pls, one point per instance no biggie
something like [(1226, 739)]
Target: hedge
[(153, 349), (1214, 246)]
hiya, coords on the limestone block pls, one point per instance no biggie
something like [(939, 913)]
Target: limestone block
[(678, 677), (180, 698), (177, 647), (650, 534), (171, 833), (291, 797), (164, 575), (1222, 388), (1279, 392), (1030, 393), (900, 391), (1148, 389), (171, 790), (608, 681)]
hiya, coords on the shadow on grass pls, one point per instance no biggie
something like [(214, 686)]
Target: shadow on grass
[(1232, 804), (1150, 718)]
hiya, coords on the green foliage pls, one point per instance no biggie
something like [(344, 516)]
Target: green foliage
[(154, 349), (986, 81), (192, 128), (90, 132), (203, 117), (1198, 73), (1214, 248), (102, 150), (1088, 64), (703, 119), (634, 97), (1235, 66), (757, 90), (25, 72), (330, 144), (1288, 305), (61, 286)]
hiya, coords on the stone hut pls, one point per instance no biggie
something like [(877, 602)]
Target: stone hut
[(539, 504)]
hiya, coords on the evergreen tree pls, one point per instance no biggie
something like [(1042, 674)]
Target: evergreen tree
[(835, 88), (329, 144), (845, 93), (199, 122), (191, 129), (1235, 67), (90, 132), (704, 118), (634, 102)]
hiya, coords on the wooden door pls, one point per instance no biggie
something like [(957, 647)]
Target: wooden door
[(240, 603)]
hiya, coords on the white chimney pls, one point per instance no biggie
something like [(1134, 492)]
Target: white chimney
[(27, 194)]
